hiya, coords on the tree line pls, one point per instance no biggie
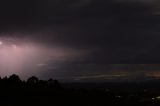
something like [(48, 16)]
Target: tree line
[(15, 81)]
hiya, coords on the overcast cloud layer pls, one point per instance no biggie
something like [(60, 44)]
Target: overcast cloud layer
[(98, 34)]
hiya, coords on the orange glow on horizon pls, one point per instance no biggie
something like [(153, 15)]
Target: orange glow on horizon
[(155, 74)]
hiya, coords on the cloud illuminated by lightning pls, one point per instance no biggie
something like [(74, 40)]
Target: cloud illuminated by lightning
[(28, 59)]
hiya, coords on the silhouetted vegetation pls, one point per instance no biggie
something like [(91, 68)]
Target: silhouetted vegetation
[(33, 91)]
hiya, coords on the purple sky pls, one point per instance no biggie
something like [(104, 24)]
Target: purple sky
[(81, 40)]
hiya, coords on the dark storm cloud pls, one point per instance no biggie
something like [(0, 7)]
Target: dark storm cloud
[(111, 31), (116, 31)]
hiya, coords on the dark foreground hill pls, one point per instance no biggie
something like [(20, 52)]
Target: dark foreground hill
[(14, 92)]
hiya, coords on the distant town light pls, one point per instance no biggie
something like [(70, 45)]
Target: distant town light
[(153, 98), (158, 97), (118, 96)]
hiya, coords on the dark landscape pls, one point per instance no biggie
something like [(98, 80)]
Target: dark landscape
[(53, 93), (80, 52)]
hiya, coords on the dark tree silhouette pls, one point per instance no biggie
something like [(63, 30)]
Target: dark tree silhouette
[(42, 83), (57, 85), (54, 83), (14, 77), (50, 81), (14, 80), (32, 80)]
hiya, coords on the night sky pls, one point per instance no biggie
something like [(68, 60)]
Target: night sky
[(80, 40)]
